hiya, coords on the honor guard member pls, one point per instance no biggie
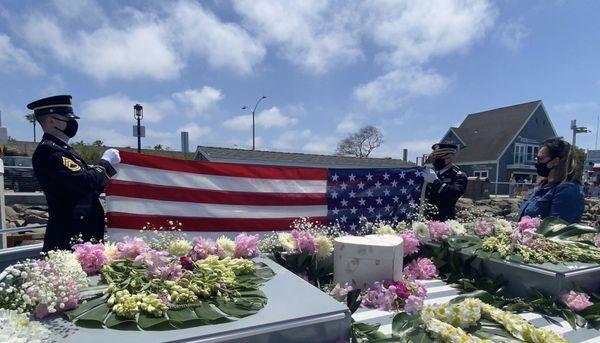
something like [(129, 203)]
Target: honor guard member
[(446, 184), (71, 186)]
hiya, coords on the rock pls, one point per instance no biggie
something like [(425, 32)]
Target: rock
[(33, 219), (19, 208), (11, 214), (11, 225), (37, 213)]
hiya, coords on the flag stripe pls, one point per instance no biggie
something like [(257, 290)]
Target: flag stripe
[(136, 222), (158, 192), (223, 169), (215, 182), (187, 209)]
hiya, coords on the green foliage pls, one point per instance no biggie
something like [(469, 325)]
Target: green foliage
[(89, 153)]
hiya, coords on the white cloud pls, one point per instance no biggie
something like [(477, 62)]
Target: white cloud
[(410, 34), (512, 34), (321, 145), (292, 139), (316, 35), (350, 123), (574, 108), (224, 45), (15, 59), (119, 108), (199, 100), (110, 137), (416, 147), (140, 49), (270, 118), (391, 90)]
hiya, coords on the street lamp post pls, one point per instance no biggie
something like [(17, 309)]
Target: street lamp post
[(253, 126), (577, 129), (138, 114)]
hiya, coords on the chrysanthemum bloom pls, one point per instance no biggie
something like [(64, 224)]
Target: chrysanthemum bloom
[(246, 246), (576, 301), (203, 247), (227, 246), (325, 247), (304, 241), (410, 243), (483, 229), (91, 257), (438, 230), (131, 247), (421, 268), (456, 227), (180, 247)]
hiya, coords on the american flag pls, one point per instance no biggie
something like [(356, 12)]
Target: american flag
[(229, 197)]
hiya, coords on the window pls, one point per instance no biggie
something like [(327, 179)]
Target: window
[(525, 153), (481, 173)]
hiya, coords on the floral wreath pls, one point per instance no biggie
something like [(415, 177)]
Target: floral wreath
[(446, 322)]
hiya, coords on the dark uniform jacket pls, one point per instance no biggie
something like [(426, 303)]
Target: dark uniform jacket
[(72, 190), (444, 193)]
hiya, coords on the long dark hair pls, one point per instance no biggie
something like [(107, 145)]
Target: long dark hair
[(566, 168)]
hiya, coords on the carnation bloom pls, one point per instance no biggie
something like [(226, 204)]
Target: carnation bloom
[(91, 257), (186, 263), (246, 246), (227, 246), (502, 225), (410, 243), (384, 229), (131, 247), (287, 241), (576, 301), (421, 268), (203, 247), (110, 250), (420, 229), (179, 247), (413, 305), (528, 222), (325, 247), (483, 229), (438, 230), (456, 227), (304, 242)]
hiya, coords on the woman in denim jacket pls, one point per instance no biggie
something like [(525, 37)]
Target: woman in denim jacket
[(559, 194)]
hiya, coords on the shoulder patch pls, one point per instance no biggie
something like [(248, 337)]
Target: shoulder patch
[(70, 164)]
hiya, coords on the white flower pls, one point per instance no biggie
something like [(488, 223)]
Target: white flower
[(384, 229), (420, 229), (16, 327), (110, 250), (287, 241), (502, 225), (325, 247), (457, 228), (227, 245), (179, 247)]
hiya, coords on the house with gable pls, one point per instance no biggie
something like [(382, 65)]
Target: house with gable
[(500, 143)]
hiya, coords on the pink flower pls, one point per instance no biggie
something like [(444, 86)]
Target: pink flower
[(484, 229), (203, 247), (400, 290), (379, 297), (304, 241), (131, 247), (438, 230), (91, 257), (528, 222), (172, 272), (598, 241), (576, 301), (413, 305), (411, 242), (421, 268), (153, 260), (246, 246)]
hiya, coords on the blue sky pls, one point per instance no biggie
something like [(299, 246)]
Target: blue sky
[(412, 68)]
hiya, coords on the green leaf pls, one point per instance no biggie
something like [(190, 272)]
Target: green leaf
[(403, 324), (83, 308), (95, 316), (146, 321), (182, 315), (206, 312), (549, 223), (113, 321), (233, 309), (592, 310), (484, 296)]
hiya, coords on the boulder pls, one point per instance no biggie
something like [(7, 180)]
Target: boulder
[(34, 219), (11, 214)]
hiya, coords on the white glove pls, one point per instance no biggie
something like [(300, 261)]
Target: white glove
[(429, 176), (112, 157)]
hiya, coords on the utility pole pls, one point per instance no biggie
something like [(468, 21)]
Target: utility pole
[(597, 129), (577, 129)]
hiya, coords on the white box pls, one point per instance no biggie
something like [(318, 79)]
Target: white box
[(360, 261)]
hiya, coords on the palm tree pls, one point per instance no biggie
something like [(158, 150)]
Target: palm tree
[(31, 118)]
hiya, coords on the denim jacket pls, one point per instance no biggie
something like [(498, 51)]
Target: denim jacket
[(564, 200)]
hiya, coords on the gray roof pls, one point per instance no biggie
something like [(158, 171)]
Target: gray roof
[(218, 154), (486, 134)]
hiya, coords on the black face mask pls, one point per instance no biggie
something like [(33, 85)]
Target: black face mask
[(542, 169), (439, 164), (71, 128)]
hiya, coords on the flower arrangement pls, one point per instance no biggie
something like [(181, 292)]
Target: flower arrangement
[(16, 327), (43, 287), (406, 294), (152, 287), (421, 268), (447, 323)]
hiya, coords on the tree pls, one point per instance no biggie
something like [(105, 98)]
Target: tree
[(98, 143), (579, 158), (361, 143), (31, 118), (158, 147)]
